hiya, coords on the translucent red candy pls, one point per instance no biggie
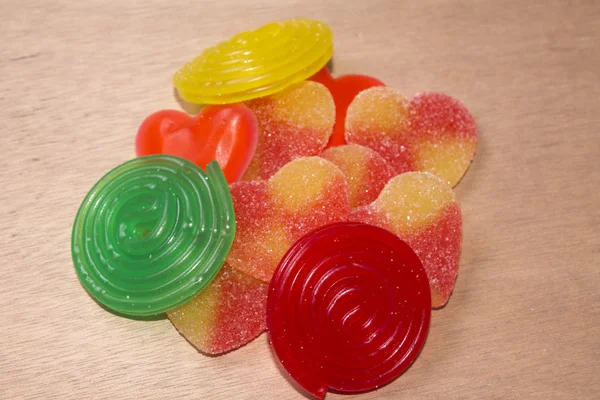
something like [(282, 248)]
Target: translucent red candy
[(423, 211), (227, 134), (323, 77), (366, 171), (348, 308), (305, 194), (343, 89), (432, 133), (228, 314), (296, 122)]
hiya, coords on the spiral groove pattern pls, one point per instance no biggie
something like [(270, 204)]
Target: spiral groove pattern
[(348, 308), (152, 233), (256, 63)]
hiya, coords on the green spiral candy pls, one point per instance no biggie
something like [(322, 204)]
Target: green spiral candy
[(152, 233)]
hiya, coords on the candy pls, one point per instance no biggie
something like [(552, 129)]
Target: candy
[(447, 135), (305, 194), (256, 63), (152, 233), (348, 308), (422, 210), (294, 123), (228, 314), (227, 134), (432, 133), (366, 171), (344, 89), (324, 77)]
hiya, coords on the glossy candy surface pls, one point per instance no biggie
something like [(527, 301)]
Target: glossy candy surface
[(431, 133), (296, 122), (229, 313), (305, 194), (256, 63), (348, 308), (227, 134), (423, 211), (152, 233)]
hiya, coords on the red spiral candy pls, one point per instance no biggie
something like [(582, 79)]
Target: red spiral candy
[(348, 308)]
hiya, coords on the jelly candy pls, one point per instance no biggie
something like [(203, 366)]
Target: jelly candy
[(447, 135), (344, 89), (422, 210), (348, 308), (305, 194), (432, 133), (256, 63), (294, 123), (366, 171), (153, 233), (227, 134), (323, 77), (229, 313)]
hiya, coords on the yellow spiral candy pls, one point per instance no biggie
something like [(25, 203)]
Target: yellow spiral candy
[(256, 63)]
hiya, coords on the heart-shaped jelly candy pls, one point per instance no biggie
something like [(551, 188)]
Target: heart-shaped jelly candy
[(293, 123), (422, 210), (227, 134), (271, 215)]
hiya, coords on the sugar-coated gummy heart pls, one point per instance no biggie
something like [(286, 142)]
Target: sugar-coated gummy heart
[(227, 134), (446, 135), (152, 233), (366, 171), (256, 63), (305, 194), (432, 133), (343, 89), (348, 308), (296, 122), (423, 211), (228, 314)]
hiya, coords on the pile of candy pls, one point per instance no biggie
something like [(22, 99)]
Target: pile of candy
[(318, 209)]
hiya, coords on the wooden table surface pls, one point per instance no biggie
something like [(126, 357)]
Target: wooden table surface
[(77, 78)]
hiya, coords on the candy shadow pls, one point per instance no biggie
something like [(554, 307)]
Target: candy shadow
[(330, 65), (188, 107)]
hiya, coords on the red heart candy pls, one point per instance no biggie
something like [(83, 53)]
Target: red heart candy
[(225, 133), (343, 89)]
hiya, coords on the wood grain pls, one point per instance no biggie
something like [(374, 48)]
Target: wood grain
[(76, 79)]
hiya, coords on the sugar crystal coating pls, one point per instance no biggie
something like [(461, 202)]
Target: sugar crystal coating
[(422, 210), (228, 314), (305, 194), (293, 123), (366, 171), (378, 118), (446, 135), (432, 133)]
